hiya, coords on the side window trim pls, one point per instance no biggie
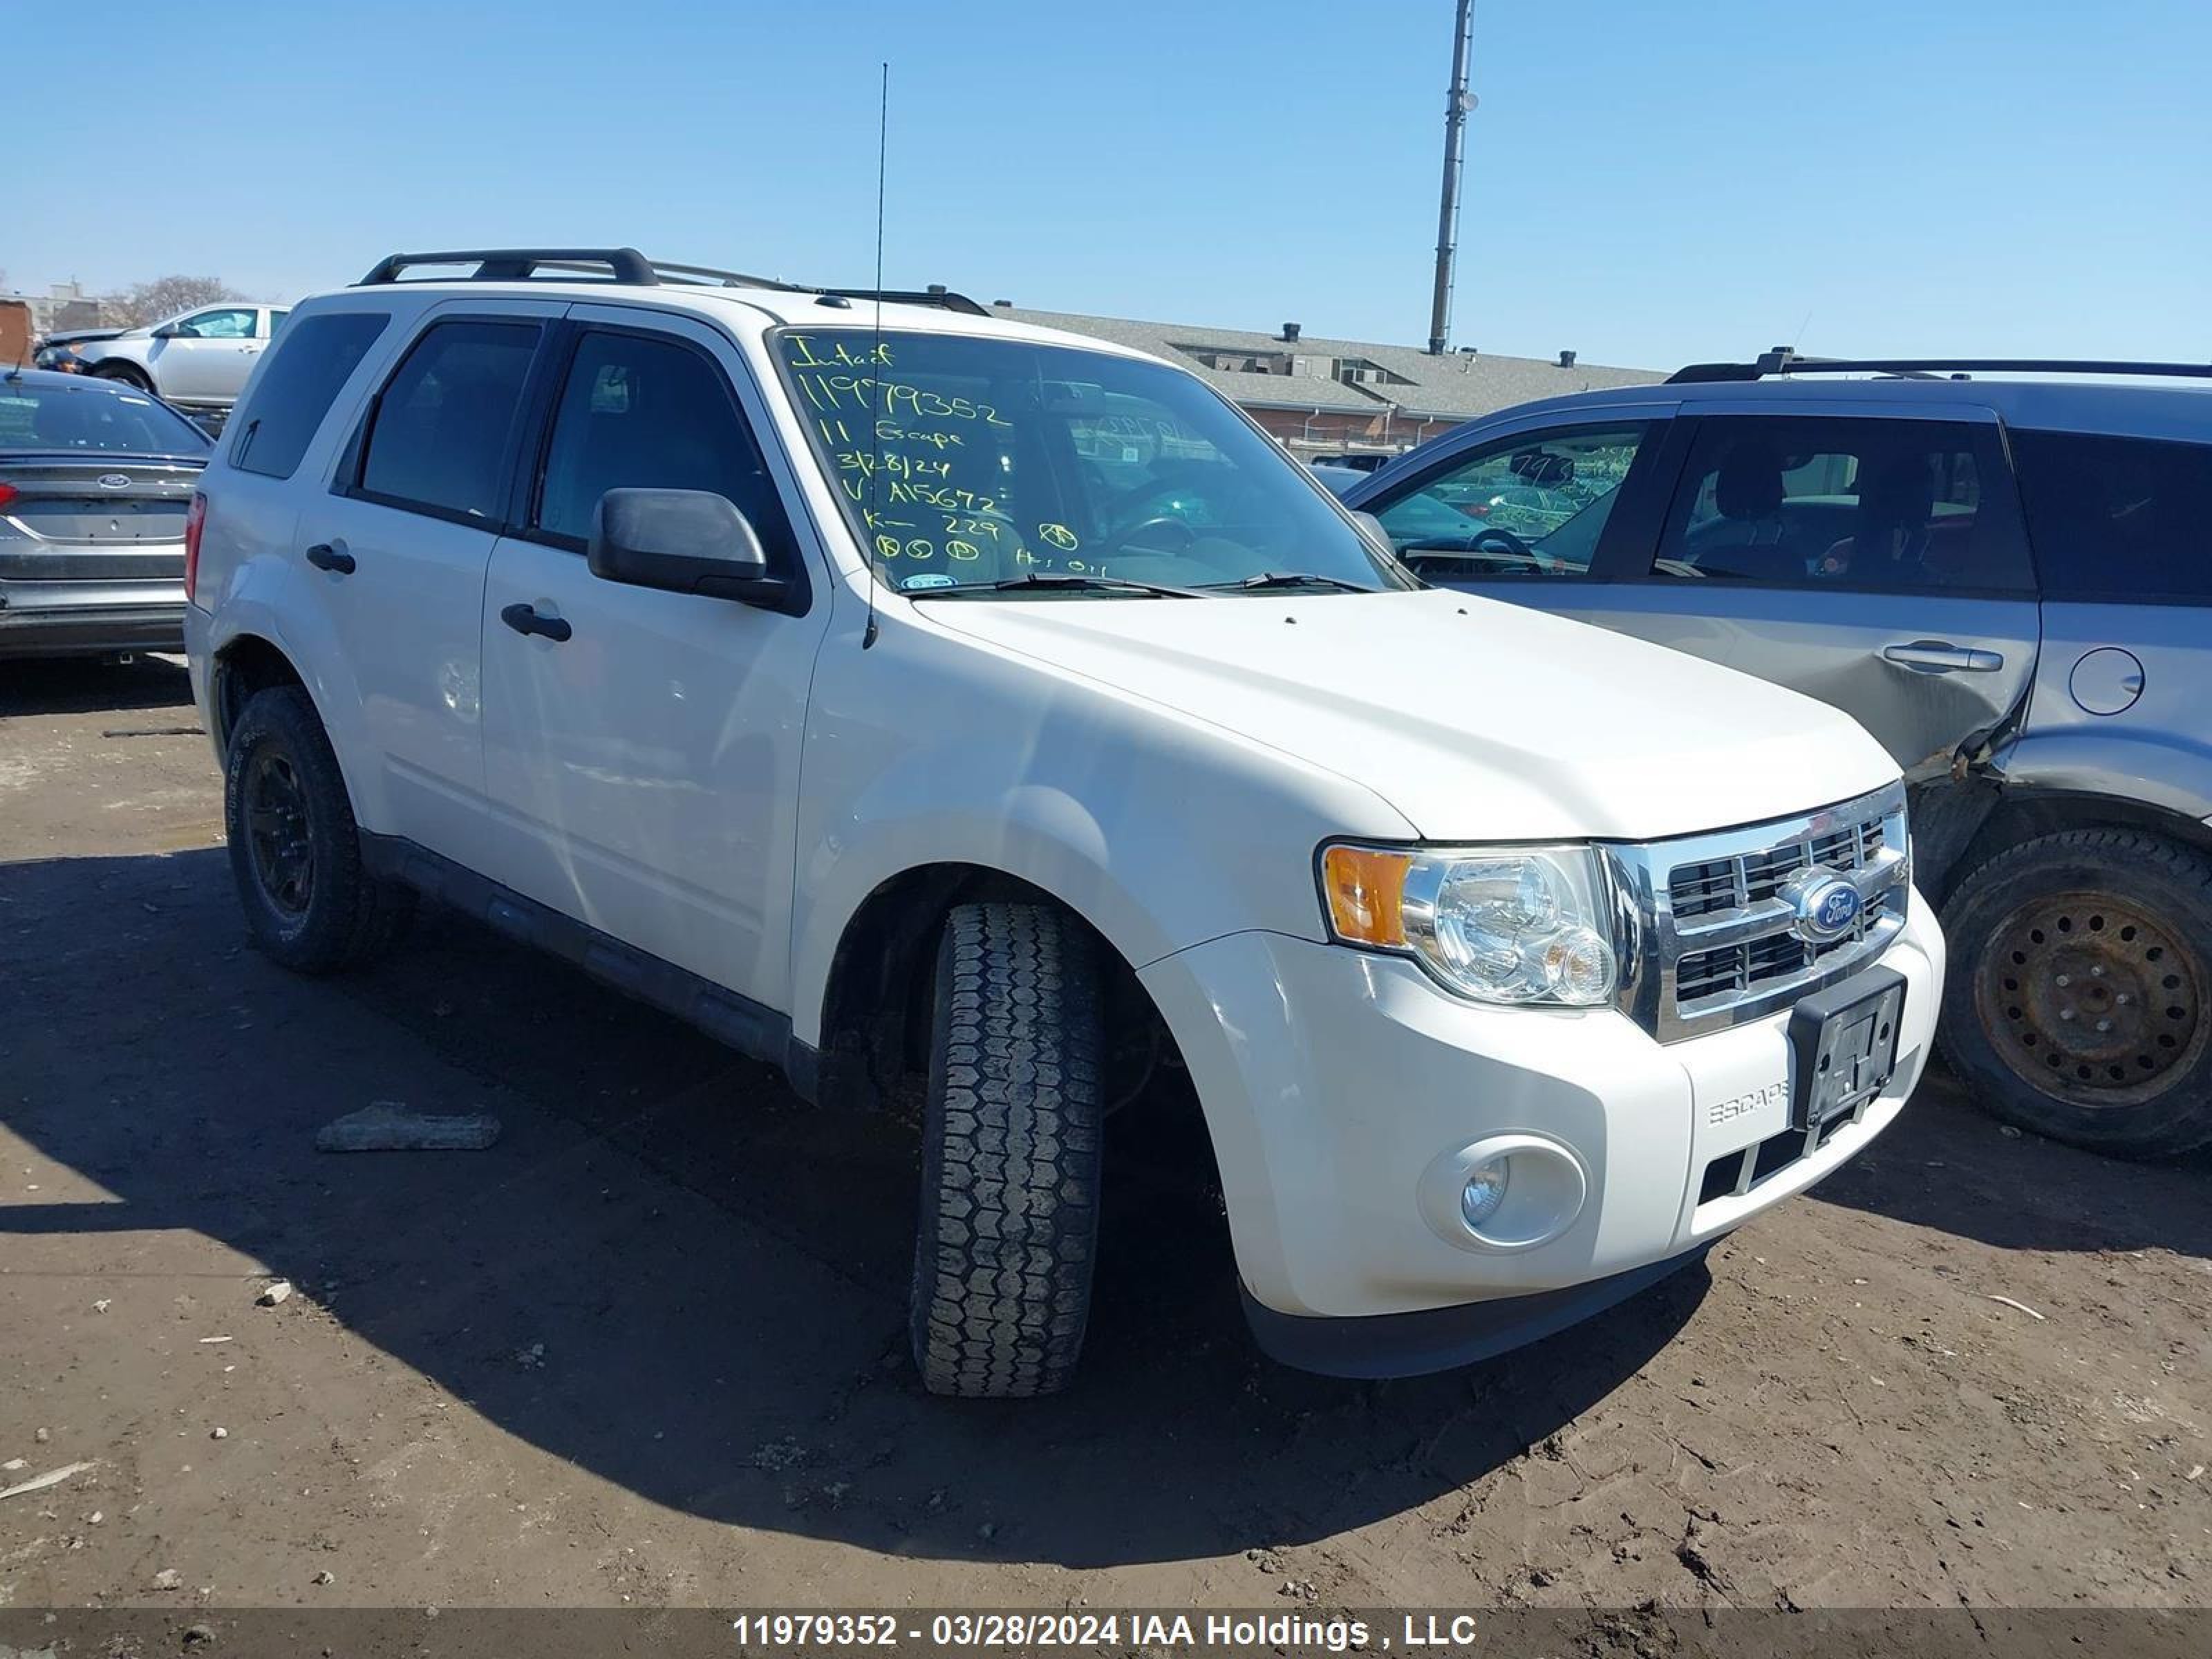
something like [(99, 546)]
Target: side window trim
[(541, 404), (354, 460), (1632, 534), (2001, 495)]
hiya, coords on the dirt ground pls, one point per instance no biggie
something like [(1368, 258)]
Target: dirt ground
[(648, 1348)]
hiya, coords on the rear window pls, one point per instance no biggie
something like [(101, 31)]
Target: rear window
[(307, 366), (439, 440), (74, 415), (2117, 518)]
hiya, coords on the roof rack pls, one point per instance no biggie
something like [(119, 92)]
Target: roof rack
[(1782, 361), (937, 294), (515, 265), (627, 266)]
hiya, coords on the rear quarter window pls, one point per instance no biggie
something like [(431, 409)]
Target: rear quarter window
[(2117, 518), (310, 360)]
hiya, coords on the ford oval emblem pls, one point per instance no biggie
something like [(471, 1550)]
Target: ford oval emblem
[(113, 481), (1824, 906)]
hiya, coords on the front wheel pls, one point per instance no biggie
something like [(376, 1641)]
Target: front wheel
[(2076, 1006), (1011, 1155), (126, 373)]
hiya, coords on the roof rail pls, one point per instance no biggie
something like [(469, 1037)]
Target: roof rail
[(510, 264), (1783, 362), (627, 264), (708, 274), (943, 298)]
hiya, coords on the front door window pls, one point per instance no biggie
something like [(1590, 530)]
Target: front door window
[(1533, 505)]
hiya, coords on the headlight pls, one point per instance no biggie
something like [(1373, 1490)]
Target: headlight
[(1507, 925)]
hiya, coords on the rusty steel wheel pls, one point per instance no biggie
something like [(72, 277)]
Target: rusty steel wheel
[(2098, 1002), (2075, 1002)]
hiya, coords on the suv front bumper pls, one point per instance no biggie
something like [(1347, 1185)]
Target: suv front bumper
[(1336, 1082)]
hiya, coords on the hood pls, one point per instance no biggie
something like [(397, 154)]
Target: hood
[(1478, 720), (78, 337)]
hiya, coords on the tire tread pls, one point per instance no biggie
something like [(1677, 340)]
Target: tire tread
[(1010, 1158)]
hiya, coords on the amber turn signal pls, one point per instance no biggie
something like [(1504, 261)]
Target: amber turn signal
[(1366, 889)]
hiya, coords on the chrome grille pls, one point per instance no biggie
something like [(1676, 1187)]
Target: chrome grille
[(1716, 939)]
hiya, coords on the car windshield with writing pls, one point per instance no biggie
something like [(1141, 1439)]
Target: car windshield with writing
[(970, 466)]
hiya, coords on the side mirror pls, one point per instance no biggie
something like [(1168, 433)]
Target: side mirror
[(682, 541), (173, 331), (1376, 532)]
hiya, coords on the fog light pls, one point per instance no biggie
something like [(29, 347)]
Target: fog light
[(1484, 1191), (1514, 1191)]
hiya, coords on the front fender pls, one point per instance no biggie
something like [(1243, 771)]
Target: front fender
[(2171, 774), (138, 353), (1040, 835), (1159, 829)]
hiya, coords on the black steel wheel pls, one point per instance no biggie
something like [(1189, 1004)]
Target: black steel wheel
[(295, 847), (276, 831)]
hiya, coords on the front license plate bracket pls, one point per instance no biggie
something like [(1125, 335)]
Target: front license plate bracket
[(1843, 1040)]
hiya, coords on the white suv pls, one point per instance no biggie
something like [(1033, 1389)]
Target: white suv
[(901, 693)]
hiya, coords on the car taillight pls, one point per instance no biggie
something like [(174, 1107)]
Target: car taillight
[(195, 521), (8, 493)]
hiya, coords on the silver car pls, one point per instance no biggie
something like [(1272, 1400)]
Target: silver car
[(2007, 582), (198, 359), (96, 479)]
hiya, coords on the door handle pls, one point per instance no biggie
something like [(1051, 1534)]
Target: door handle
[(524, 620), (1941, 656), (324, 557)]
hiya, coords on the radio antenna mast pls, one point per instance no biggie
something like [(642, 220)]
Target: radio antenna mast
[(876, 359)]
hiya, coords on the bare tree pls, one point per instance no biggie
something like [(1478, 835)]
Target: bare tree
[(165, 296)]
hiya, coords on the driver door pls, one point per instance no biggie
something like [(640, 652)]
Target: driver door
[(1522, 513), (210, 353)]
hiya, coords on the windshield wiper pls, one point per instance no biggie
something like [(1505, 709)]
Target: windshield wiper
[(1065, 580), (1294, 579)]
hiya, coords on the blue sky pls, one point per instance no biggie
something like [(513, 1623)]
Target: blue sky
[(1647, 183)]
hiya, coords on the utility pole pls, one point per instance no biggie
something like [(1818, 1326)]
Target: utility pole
[(1457, 102)]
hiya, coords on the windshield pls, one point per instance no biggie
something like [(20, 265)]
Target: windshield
[(967, 464), (68, 414)]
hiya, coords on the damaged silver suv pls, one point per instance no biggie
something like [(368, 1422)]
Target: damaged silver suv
[(2003, 570)]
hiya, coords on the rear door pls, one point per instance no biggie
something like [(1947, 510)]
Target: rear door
[(390, 566), (1870, 557), (2119, 523)]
